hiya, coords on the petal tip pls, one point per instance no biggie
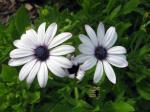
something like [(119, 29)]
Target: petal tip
[(42, 85), (44, 23), (28, 81), (68, 34), (54, 23), (86, 26), (126, 64), (9, 62), (101, 23), (114, 82), (20, 78), (80, 35), (113, 28), (95, 81)]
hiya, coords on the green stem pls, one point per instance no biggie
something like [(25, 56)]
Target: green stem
[(76, 93)]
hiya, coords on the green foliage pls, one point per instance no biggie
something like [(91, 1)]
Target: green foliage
[(132, 91), (119, 106), (8, 73), (143, 89), (130, 6), (21, 20)]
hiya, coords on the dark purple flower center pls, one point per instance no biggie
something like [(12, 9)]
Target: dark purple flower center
[(41, 53), (74, 69), (100, 53)]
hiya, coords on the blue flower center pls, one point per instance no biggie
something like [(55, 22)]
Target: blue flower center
[(41, 53), (100, 53)]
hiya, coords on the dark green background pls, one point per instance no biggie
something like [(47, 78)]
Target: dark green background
[(132, 91)]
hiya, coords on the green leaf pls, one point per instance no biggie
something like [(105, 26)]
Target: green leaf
[(8, 73), (61, 106), (122, 27), (82, 106), (110, 5), (145, 49), (2, 33), (122, 107), (144, 89), (11, 30), (114, 13), (130, 6), (22, 20), (35, 97), (118, 106)]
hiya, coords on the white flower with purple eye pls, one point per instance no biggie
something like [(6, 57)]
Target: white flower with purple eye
[(97, 50), (40, 51), (74, 71)]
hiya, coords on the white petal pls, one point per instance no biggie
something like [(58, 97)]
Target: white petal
[(50, 32), (62, 50), (20, 61), (32, 34), (117, 50), (91, 33), (98, 72), (85, 49), (109, 72), (80, 74), (42, 75), (117, 60), (110, 37), (55, 68), (18, 53), (82, 58), (19, 44), (88, 64), (60, 39), (41, 32), (72, 76), (85, 40), (16, 42), (25, 70), (100, 32), (28, 41), (62, 61), (72, 59), (33, 72), (23, 36)]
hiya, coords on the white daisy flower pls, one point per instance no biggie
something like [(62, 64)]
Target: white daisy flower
[(97, 50), (74, 71), (39, 51)]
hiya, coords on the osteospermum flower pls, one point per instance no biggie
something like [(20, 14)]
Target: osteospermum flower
[(39, 51), (74, 71), (97, 50)]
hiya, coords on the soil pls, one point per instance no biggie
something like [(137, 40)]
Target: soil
[(9, 7)]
